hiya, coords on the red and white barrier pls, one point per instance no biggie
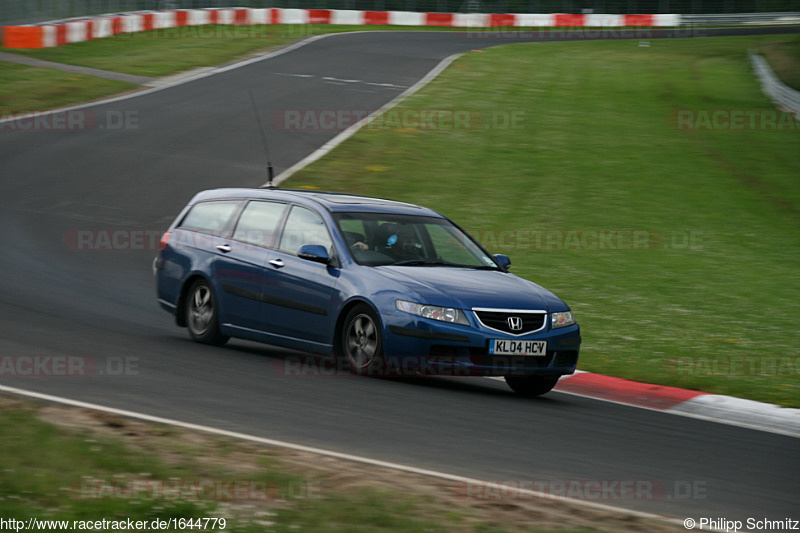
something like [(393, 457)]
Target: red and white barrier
[(57, 33)]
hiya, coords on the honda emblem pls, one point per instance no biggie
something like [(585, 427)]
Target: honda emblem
[(514, 323)]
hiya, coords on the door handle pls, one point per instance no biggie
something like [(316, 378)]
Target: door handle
[(277, 263), (225, 248)]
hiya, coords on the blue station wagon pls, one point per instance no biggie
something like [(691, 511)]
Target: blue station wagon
[(388, 287)]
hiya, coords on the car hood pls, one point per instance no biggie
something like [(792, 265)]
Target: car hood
[(469, 288)]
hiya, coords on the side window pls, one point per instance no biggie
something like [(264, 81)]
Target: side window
[(259, 223), (210, 217), (304, 226)]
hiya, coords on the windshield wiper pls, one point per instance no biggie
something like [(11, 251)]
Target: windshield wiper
[(440, 262), (425, 262)]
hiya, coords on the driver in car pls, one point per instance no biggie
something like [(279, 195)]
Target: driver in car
[(405, 245)]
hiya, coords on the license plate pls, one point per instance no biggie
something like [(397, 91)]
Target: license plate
[(514, 347)]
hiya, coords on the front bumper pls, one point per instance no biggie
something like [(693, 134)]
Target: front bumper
[(431, 347)]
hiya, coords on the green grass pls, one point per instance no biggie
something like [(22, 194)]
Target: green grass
[(595, 149), (45, 468), (152, 53), (167, 51), (784, 58), (162, 52), (55, 473), (27, 89)]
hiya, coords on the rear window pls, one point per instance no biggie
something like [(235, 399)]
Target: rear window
[(210, 217)]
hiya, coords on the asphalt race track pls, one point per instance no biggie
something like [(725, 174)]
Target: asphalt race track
[(97, 306)]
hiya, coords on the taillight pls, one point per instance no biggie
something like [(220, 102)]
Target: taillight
[(164, 240)]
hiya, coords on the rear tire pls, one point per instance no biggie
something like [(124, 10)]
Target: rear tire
[(362, 341), (201, 314), (531, 386)]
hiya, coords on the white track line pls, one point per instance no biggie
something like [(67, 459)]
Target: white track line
[(731, 411), (330, 453), (189, 78), (350, 131)]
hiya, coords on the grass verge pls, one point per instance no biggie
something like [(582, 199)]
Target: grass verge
[(784, 58), (68, 464), (167, 51), (150, 53), (677, 248), (26, 89)]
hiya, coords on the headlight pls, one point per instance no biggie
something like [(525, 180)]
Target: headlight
[(560, 320), (445, 314)]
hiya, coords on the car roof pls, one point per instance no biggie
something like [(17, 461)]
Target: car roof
[(331, 201)]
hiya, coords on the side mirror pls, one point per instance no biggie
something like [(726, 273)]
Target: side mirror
[(503, 260), (314, 252)]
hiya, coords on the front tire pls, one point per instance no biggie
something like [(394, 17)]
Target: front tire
[(362, 341), (531, 386), (201, 314)]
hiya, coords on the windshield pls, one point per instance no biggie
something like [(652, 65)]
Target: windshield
[(377, 239)]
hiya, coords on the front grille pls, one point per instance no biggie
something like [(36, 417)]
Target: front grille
[(527, 321)]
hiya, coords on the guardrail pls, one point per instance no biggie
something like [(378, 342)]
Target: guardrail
[(57, 33), (736, 19), (781, 94), (15, 12)]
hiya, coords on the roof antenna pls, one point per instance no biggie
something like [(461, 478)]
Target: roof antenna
[(270, 171)]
